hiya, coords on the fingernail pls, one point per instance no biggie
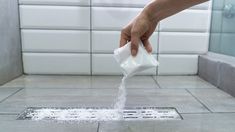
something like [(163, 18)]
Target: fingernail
[(133, 52)]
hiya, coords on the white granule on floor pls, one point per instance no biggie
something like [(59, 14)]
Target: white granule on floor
[(76, 114)]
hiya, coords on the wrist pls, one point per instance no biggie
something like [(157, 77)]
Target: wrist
[(152, 11), (156, 9)]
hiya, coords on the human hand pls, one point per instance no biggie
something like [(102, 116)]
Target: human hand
[(139, 29)]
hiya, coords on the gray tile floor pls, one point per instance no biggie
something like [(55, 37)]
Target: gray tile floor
[(203, 107)]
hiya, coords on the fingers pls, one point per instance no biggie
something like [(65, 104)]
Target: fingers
[(147, 45), (123, 40), (134, 43), (125, 36)]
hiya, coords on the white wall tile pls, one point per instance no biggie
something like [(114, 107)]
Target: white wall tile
[(55, 17), (107, 41), (179, 42), (139, 3), (135, 3), (203, 6), (105, 64), (187, 20), (56, 2), (178, 64), (55, 40), (50, 63), (112, 18)]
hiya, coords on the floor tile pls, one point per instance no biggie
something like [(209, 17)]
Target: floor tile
[(114, 82), (191, 123), (180, 99), (10, 124), (37, 81), (182, 82), (215, 99), (56, 98), (5, 92)]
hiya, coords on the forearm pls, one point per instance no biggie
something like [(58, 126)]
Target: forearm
[(160, 9)]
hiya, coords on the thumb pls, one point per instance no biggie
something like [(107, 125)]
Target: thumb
[(134, 44)]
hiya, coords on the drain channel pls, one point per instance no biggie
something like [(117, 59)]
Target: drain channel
[(100, 114)]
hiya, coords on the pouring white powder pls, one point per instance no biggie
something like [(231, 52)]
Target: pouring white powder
[(130, 66), (121, 100)]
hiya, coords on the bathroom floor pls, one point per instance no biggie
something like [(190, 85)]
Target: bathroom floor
[(204, 108)]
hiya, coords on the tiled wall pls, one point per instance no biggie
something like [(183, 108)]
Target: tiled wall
[(79, 36), (10, 48)]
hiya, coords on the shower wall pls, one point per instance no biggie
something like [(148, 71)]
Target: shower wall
[(79, 36), (10, 48)]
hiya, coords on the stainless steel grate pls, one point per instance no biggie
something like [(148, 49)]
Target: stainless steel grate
[(100, 114)]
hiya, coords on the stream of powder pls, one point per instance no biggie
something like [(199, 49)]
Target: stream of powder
[(121, 100)]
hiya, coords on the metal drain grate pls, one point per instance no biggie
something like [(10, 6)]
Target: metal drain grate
[(100, 114)]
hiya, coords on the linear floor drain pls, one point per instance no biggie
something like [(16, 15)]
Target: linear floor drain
[(99, 114)]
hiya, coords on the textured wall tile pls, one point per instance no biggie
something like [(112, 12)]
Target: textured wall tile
[(187, 20), (56, 2), (177, 42), (56, 63), (111, 18), (107, 41), (178, 64), (105, 64), (55, 17), (55, 41)]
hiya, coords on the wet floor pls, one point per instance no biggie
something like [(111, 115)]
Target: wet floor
[(204, 108)]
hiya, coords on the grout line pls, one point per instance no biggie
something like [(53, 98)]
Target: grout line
[(223, 112), (91, 42), (82, 52), (196, 113), (98, 128), (108, 29), (56, 52), (210, 113), (156, 82), (55, 5), (75, 29), (9, 113), (199, 100), (54, 29), (97, 88), (20, 35), (190, 88), (11, 95), (158, 47), (100, 5)]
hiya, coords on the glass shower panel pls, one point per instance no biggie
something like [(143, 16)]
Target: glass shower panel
[(222, 38)]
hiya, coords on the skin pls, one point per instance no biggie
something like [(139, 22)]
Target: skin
[(144, 24)]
